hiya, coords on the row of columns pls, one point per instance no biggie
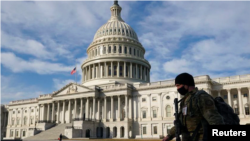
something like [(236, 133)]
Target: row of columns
[(110, 49), (239, 98), (87, 109), (99, 70)]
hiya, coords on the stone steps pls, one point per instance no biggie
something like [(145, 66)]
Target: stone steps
[(52, 133)]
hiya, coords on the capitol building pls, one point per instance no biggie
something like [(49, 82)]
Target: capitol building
[(116, 98)]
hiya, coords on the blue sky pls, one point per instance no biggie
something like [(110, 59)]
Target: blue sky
[(42, 41)]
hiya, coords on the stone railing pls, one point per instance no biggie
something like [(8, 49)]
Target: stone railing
[(45, 96), (232, 78), (171, 82), (114, 86), (24, 101)]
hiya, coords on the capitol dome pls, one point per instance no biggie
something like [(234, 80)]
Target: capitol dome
[(115, 54)]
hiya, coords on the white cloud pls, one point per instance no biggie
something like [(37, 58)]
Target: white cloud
[(221, 28), (12, 89), (58, 84), (16, 64)]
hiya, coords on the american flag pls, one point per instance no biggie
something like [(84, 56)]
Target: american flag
[(73, 71)]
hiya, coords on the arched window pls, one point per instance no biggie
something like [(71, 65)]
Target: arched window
[(130, 52), (25, 120), (109, 49), (120, 49), (104, 50), (12, 121), (114, 49), (134, 52), (246, 109), (168, 111)]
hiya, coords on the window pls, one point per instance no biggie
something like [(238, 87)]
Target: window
[(13, 112), (154, 113), (120, 49), (244, 95), (126, 70), (120, 71), (99, 50), (154, 99), (168, 111), (104, 50), (168, 97), (134, 51), (32, 110), (95, 72), (109, 70), (235, 96), (31, 121), (155, 129), (143, 99), (25, 121), (11, 133), (225, 96), (115, 70), (25, 111), (23, 133), (95, 52), (17, 133), (138, 53), (144, 130), (143, 114), (130, 51), (236, 111), (114, 49), (109, 49), (247, 110), (18, 112), (125, 50)]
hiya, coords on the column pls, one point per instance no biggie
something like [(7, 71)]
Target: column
[(144, 71), (75, 109), (21, 119), (29, 109), (141, 72), (228, 96), (149, 111), (119, 109), (160, 107), (105, 70), (124, 69), (136, 69), (118, 69), (94, 72), (126, 105), (94, 115), (131, 71), (9, 117), (43, 114), (48, 112), (53, 112), (99, 70), (98, 109), (112, 69), (112, 109), (58, 111), (87, 108), (83, 75), (139, 108), (240, 102), (105, 109), (130, 107), (63, 114), (89, 73), (69, 109), (81, 108)]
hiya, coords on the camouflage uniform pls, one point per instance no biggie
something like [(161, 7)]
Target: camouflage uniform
[(206, 109)]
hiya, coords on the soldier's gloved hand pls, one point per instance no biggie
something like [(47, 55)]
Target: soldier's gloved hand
[(166, 138)]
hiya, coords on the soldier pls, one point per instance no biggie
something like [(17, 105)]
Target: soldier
[(195, 114)]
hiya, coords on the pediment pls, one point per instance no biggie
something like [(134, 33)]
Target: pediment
[(72, 88)]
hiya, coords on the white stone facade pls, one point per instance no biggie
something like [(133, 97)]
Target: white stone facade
[(116, 98)]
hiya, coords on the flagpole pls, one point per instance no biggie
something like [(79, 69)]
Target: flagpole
[(75, 74)]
